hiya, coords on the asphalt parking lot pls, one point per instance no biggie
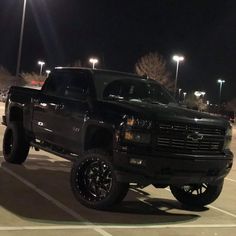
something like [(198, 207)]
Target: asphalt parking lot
[(35, 199)]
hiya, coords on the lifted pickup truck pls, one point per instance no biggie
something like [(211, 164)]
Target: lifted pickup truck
[(119, 129)]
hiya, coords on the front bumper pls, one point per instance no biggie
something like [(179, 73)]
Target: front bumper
[(166, 168)]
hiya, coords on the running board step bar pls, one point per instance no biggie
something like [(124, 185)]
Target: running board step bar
[(69, 157)]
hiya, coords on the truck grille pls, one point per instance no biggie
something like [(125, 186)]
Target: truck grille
[(182, 138)]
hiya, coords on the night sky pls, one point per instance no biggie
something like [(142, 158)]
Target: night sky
[(120, 32)]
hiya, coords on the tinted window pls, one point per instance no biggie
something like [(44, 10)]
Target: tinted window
[(137, 90), (77, 87), (54, 85), (70, 84)]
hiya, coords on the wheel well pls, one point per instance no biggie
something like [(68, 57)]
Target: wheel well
[(16, 114), (100, 138)]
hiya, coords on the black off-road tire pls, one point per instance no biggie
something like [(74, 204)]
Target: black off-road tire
[(15, 143), (94, 183), (197, 195)]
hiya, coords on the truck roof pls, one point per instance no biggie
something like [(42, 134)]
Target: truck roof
[(96, 71)]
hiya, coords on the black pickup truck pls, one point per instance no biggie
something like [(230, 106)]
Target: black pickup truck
[(119, 129)]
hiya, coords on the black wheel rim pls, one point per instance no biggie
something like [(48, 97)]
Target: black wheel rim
[(8, 142), (94, 180), (195, 189)]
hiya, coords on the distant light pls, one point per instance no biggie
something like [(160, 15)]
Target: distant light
[(41, 63), (199, 93), (220, 81), (178, 58), (93, 61), (48, 72)]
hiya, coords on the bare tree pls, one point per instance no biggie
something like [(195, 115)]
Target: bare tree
[(231, 105), (196, 103), (33, 79), (153, 66), (7, 79)]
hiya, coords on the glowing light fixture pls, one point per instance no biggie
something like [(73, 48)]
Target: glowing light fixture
[(94, 61), (41, 63), (178, 59), (221, 82)]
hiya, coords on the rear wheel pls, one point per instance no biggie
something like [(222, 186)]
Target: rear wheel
[(15, 144), (197, 194), (94, 183)]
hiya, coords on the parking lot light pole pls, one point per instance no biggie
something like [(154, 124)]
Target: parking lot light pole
[(184, 93), (21, 40), (221, 82), (94, 61), (180, 92), (199, 94), (48, 72), (178, 59), (41, 63)]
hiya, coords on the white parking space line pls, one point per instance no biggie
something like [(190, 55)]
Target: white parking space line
[(210, 206), (232, 180), (216, 208), (222, 211), (55, 202), (101, 227)]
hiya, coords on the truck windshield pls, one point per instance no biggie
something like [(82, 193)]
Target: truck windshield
[(133, 90)]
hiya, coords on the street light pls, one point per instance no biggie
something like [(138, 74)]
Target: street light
[(184, 93), (41, 63), (94, 61), (48, 72), (220, 81), (177, 59), (199, 93), (203, 95), (179, 92), (21, 39)]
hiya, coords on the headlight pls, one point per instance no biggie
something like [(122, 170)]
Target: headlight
[(228, 138), (137, 137), (138, 123)]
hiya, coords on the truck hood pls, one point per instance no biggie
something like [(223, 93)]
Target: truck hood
[(161, 112)]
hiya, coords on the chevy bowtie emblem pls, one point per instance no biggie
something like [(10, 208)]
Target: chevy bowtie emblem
[(195, 137)]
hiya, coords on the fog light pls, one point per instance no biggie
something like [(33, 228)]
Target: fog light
[(135, 161)]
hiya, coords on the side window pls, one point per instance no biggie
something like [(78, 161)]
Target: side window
[(113, 90), (77, 86), (125, 89), (55, 85)]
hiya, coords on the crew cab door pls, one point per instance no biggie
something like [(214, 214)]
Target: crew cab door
[(73, 110), (43, 120), (60, 113)]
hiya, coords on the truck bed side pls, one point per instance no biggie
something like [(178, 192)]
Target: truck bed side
[(18, 105)]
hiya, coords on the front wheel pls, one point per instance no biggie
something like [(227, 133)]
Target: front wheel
[(197, 195), (15, 143), (94, 182)]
